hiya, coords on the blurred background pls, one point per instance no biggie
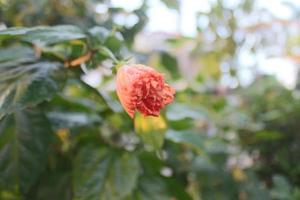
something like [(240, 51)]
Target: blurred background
[(233, 129)]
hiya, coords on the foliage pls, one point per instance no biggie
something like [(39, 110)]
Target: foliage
[(64, 135)]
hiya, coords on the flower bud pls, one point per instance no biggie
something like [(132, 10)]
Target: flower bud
[(141, 88)]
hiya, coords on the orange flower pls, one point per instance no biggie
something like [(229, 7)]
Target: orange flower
[(141, 88)]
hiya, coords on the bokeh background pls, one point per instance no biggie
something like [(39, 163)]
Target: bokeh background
[(231, 133)]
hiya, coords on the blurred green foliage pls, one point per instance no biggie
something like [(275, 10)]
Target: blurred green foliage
[(62, 137)]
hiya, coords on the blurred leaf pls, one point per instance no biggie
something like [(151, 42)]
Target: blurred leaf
[(171, 64), (177, 189), (281, 189), (72, 119), (112, 103), (44, 35), (151, 130), (247, 5), (268, 135), (130, 33), (153, 188), (204, 164), (102, 173), (27, 84), (52, 35), (98, 35), (183, 124), (173, 4), (296, 193), (9, 195), (25, 138), (17, 54), (53, 185), (210, 66), (177, 112), (253, 188), (191, 138), (14, 31), (114, 41)]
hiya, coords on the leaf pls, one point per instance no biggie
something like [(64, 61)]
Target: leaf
[(72, 119), (114, 41), (24, 84), (173, 4), (281, 189), (98, 35), (153, 188), (17, 54), (25, 138), (210, 66), (170, 63), (266, 135), (104, 174), (55, 183), (151, 130), (44, 35), (178, 111), (191, 138), (52, 35), (14, 31)]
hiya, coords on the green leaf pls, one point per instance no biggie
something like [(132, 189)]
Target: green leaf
[(17, 54), (266, 135), (178, 111), (102, 173), (151, 131), (44, 35), (153, 188), (98, 35), (55, 183), (9, 195), (281, 189), (170, 63), (24, 84), (191, 138), (25, 138), (14, 31), (114, 41), (72, 119), (52, 35), (173, 4)]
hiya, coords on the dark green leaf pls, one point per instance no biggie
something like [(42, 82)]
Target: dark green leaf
[(153, 188), (104, 174), (26, 84), (56, 186), (25, 138), (171, 64), (55, 183)]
